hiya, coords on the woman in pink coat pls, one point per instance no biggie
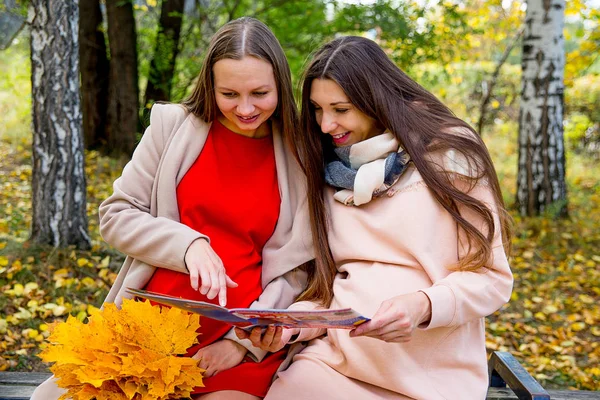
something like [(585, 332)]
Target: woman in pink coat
[(410, 229)]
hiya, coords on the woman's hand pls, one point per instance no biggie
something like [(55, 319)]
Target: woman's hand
[(219, 356), (207, 271), (272, 339), (397, 318)]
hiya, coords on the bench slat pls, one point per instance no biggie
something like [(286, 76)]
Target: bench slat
[(23, 392), (573, 394), (20, 386), (507, 394), (26, 378), (16, 392), (504, 370)]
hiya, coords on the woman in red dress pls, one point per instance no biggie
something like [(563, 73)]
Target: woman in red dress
[(231, 194), (206, 208)]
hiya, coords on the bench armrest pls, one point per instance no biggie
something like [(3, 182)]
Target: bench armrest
[(505, 369)]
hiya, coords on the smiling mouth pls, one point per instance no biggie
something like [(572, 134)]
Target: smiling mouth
[(248, 119), (341, 138)]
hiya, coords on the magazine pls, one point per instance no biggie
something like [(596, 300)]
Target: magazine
[(248, 318)]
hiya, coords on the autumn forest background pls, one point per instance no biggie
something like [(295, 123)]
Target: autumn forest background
[(468, 53)]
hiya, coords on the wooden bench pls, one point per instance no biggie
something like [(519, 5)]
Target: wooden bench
[(509, 380), (19, 385), (504, 370)]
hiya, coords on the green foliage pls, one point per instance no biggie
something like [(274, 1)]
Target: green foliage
[(18, 7), (575, 128), (146, 20), (582, 122), (300, 26), (410, 31), (492, 24), (501, 141), (15, 90), (584, 97), (163, 58), (391, 22), (460, 86), (582, 40)]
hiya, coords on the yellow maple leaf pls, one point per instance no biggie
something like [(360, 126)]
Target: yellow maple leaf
[(127, 353)]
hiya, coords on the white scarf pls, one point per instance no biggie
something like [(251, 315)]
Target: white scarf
[(366, 169)]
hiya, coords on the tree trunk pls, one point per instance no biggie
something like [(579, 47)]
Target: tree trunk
[(94, 73), (541, 175), (58, 182), (162, 65), (123, 102)]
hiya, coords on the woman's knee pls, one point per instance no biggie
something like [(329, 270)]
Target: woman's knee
[(303, 379), (48, 390)]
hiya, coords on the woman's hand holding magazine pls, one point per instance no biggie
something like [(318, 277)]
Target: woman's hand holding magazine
[(272, 339)]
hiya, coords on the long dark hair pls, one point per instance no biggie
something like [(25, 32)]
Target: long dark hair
[(236, 39), (422, 124)]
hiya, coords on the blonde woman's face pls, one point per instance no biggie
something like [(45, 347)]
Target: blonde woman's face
[(338, 117), (246, 94)]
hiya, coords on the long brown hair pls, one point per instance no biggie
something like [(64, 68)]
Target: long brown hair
[(379, 89), (236, 39)]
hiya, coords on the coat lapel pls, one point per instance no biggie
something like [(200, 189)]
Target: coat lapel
[(290, 245)]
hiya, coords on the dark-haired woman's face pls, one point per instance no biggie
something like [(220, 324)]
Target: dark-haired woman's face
[(338, 117)]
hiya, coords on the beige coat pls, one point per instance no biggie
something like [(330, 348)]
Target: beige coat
[(141, 218)]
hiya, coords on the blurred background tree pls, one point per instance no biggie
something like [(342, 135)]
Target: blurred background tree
[(541, 176), (166, 48), (94, 70), (122, 121)]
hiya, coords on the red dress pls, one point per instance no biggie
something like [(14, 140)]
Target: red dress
[(231, 195)]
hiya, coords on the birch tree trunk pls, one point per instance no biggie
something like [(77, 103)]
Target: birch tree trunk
[(541, 175), (58, 182)]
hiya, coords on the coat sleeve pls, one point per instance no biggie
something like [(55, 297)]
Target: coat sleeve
[(126, 222), (463, 296), (307, 333)]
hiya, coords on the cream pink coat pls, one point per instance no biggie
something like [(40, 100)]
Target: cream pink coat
[(385, 248)]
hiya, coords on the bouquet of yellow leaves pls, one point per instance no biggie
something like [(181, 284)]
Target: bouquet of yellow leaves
[(132, 353)]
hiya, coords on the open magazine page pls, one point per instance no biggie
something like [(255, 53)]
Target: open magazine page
[(205, 309), (342, 319), (248, 318)]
